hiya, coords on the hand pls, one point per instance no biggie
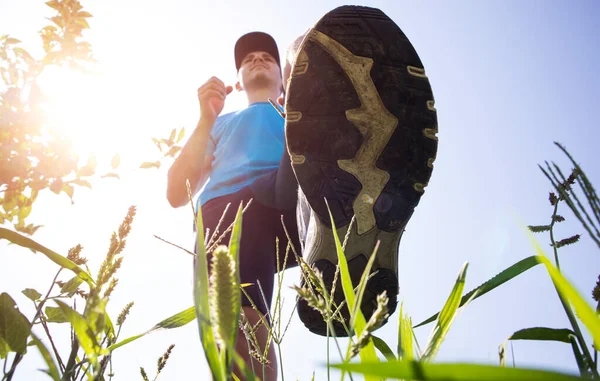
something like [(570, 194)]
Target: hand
[(211, 96)]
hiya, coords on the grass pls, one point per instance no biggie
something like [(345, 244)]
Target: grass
[(219, 315)]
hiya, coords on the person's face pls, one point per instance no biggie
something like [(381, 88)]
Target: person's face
[(259, 69)]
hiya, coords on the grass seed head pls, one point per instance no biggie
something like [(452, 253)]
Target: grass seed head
[(224, 294), (74, 255), (124, 313), (596, 290)]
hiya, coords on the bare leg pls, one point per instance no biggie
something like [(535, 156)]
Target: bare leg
[(262, 335)]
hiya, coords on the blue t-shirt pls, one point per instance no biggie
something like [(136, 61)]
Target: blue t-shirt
[(246, 144)]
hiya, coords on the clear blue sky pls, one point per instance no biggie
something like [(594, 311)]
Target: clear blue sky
[(509, 78)]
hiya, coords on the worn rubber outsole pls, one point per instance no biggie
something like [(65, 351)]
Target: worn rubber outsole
[(361, 132)]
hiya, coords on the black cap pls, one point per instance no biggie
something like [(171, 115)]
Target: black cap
[(254, 42)]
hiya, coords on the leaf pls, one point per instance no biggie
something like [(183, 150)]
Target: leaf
[(539, 228), (116, 160), (12, 40), (52, 370), (150, 165), (181, 135), (54, 4), (71, 286), (173, 151), (32, 294), (501, 278), (82, 183), (53, 256), (584, 311), (14, 326), (84, 334), (24, 212), (178, 320), (68, 189), (367, 353), (580, 358), (446, 316), (201, 305), (82, 22), (542, 333), (405, 336), (414, 370), (115, 175), (234, 249), (172, 136), (55, 315), (4, 349), (83, 14), (383, 348)]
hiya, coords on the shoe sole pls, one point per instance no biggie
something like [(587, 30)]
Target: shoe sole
[(361, 132)]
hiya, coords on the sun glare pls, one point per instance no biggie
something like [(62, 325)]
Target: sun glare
[(86, 108)]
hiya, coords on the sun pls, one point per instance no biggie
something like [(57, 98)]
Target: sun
[(89, 109)]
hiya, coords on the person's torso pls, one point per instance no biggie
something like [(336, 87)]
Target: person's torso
[(246, 145)]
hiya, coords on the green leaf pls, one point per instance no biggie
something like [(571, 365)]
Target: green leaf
[(83, 14), (12, 40), (405, 336), (83, 22), (85, 335), (178, 320), (71, 286), (580, 358), (14, 326), (414, 370), (383, 348), (32, 294), (234, 250), (584, 311), (148, 164), (542, 333), (181, 135), (4, 348), (52, 370), (446, 316), (362, 284), (503, 277), (55, 315), (116, 160), (367, 353), (202, 307), (53, 256)]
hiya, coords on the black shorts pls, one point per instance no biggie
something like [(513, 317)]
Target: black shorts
[(260, 225)]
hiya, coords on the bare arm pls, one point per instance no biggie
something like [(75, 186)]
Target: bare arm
[(192, 163)]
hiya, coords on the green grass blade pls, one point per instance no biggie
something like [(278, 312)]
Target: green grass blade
[(236, 305), (201, 304), (413, 370), (23, 241), (405, 336), (544, 334), (503, 277), (446, 316), (368, 352), (584, 311), (363, 282), (84, 333), (383, 348), (178, 320), (580, 358), (52, 370)]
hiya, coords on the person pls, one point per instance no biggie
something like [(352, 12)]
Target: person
[(359, 132)]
